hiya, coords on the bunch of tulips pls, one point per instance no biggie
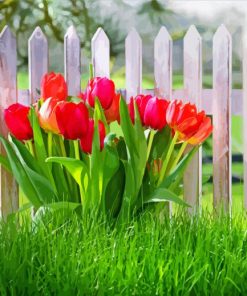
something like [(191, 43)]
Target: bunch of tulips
[(95, 151)]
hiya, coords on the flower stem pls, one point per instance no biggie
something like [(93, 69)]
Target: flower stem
[(50, 144), (168, 156), (77, 156), (62, 147), (77, 151), (179, 155), (30, 147), (150, 142)]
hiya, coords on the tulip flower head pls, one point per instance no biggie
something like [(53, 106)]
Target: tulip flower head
[(87, 141), (113, 114), (47, 115), (72, 119), (102, 88), (16, 119), (141, 102), (54, 85), (192, 126), (155, 113)]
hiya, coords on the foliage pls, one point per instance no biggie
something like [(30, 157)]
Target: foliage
[(116, 171), (54, 17)]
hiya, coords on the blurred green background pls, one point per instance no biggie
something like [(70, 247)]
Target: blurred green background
[(117, 17)]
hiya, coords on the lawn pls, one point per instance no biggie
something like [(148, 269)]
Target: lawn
[(184, 256), (237, 168)]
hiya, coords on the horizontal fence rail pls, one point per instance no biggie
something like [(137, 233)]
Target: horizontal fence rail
[(221, 102)]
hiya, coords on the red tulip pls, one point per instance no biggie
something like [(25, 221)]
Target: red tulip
[(155, 113), (204, 131), (72, 119), (103, 89), (87, 141), (141, 102), (47, 115), (16, 119), (54, 85), (190, 124), (112, 113)]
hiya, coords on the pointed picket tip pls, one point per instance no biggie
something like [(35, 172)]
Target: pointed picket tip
[(222, 32), (100, 34), (6, 32), (133, 35), (192, 34), (71, 32), (37, 34), (163, 34)]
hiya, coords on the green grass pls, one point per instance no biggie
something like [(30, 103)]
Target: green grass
[(184, 256)]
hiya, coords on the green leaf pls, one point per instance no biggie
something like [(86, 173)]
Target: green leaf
[(110, 167), (21, 175), (63, 205), (24, 155), (114, 191), (40, 150), (128, 129), (162, 194), (177, 174), (5, 163), (160, 143), (98, 110), (74, 166), (42, 186), (38, 139), (96, 167)]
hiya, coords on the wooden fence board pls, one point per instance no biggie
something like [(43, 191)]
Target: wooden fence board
[(193, 93), (163, 64), (101, 54), (133, 64), (9, 200), (222, 72), (163, 70), (244, 114), (72, 61), (37, 61)]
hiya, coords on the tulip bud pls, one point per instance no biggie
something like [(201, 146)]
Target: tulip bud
[(155, 113), (87, 141), (16, 119), (113, 113), (47, 115), (54, 85), (103, 89), (72, 119), (141, 102)]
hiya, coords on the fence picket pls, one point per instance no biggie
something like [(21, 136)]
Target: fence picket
[(72, 61), (133, 64), (193, 93), (244, 114), (37, 61), (8, 95), (222, 66), (101, 53), (163, 64), (163, 70)]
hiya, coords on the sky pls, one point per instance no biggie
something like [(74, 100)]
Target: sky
[(207, 9)]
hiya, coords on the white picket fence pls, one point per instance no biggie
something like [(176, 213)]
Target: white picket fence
[(221, 101)]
